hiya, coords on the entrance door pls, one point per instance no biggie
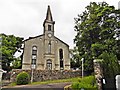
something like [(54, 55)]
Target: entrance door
[(49, 64)]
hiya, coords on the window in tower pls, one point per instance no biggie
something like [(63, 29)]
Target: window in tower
[(49, 27)]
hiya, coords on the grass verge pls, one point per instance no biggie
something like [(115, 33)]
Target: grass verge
[(57, 81), (72, 80), (87, 83)]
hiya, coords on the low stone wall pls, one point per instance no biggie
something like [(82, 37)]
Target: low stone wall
[(42, 75)]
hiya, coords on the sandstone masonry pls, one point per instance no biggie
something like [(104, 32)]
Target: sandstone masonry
[(42, 75)]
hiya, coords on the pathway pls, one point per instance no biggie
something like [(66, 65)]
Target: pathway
[(55, 86)]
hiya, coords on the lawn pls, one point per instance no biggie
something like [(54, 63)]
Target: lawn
[(57, 81), (72, 80), (87, 82)]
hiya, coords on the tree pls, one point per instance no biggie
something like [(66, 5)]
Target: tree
[(10, 44), (98, 29), (17, 63), (110, 64), (75, 59)]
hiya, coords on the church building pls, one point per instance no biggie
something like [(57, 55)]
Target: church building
[(46, 52)]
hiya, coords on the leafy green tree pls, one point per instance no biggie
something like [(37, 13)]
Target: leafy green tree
[(9, 45), (110, 64), (75, 59), (97, 32), (17, 63)]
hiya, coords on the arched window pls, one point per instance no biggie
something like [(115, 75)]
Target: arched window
[(34, 55), (61, 58), (61, 54), (49, 47), (49, 64), (34, 50)]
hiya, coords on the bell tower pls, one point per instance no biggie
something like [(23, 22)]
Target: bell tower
[(49, 24)]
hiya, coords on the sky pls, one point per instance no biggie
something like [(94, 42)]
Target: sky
[(24, 18)]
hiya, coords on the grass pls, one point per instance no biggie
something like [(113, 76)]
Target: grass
[(57, 81), (51, 81), (88, 83), (81, 82), (12, 84)]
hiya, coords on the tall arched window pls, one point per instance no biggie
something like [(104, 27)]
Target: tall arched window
[(49, 47), (61, 58), (34, 55), (49, 64)]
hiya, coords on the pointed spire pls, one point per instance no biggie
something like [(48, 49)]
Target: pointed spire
[(49, 14), (49, 18)]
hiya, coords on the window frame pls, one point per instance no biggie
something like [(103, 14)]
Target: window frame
[(34, 55), (49, 47), (61, 60), (49, 27), (49, 64)]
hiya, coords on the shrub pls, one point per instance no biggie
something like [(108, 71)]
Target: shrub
[(87, 83), (23, 78)]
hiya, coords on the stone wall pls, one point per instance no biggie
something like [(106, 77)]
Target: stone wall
[(42, 75), (98, 72)]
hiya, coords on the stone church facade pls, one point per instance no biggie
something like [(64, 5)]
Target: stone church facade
[(46, 52)]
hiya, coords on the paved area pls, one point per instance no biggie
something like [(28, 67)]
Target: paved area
[(55, 86)]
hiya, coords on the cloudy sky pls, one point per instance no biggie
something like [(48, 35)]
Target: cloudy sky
[(24, 18)]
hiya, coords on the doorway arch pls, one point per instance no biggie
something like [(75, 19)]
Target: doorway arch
[(49, 64)]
